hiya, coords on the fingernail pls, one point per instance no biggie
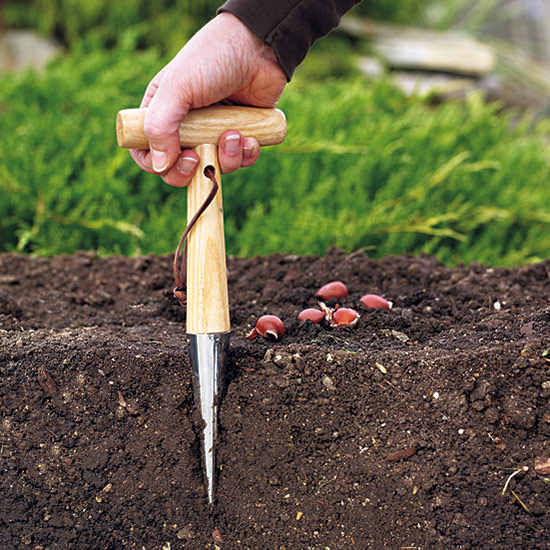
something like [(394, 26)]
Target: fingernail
[(232, 144), (160, 160), (248, 150), (186, 165)]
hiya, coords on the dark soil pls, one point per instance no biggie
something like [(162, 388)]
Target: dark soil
[(398, 433)]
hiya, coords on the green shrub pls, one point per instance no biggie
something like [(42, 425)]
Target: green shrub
[(64, 183), (164, 24), (363, 167)]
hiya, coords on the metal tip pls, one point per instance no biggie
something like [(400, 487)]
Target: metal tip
[(207, 354)]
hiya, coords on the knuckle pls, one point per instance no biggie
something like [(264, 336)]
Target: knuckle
[(154, 128), (175, 179), (140, 159)]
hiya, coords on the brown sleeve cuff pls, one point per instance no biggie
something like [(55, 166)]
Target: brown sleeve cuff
[(290, 27)]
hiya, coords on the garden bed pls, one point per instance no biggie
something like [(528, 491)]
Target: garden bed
[(396, 433)]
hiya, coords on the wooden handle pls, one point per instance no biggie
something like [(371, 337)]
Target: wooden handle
[(206, 125), (207, 297)]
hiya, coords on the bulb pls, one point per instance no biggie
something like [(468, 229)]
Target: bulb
[(373, 300), (344, 317), (335, 289), (311, 314), (268, 326)]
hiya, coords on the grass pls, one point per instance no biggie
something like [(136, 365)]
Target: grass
[(363, 167)]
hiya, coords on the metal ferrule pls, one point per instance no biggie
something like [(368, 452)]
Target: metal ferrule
[(207, 354)]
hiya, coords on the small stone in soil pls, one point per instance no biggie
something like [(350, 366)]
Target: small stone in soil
[(328, 383), (46, 381), (186, 533), (542, 465), (217, 536)]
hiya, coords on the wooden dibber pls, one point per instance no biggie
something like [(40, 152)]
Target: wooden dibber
[(207, 298), (208, 326)]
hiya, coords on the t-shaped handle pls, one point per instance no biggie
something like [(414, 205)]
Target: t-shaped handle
[(205, 126)]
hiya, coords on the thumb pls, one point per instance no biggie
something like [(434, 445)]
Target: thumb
[(162, 122)]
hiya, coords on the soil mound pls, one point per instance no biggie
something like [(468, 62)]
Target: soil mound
[(401, 432)]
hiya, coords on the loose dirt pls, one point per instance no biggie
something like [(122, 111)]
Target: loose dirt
[(400, 433)]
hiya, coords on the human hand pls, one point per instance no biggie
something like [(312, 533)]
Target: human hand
[(223, 62)]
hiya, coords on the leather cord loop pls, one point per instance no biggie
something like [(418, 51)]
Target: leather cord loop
[(180, 257)]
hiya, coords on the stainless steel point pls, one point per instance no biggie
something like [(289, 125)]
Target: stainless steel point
[(207, 354)]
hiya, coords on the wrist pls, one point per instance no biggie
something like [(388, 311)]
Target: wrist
[(241, 32)]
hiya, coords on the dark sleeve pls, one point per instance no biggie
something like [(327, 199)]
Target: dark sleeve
[(289, 26)]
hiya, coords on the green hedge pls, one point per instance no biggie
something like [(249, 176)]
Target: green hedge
[(363, 167)]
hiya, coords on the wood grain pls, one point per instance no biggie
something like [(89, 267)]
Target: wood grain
[(206, 125), (207, 296)]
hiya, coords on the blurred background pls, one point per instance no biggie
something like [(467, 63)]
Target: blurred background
[(417, 126)]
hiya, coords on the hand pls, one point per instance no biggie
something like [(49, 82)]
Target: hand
[(223, 62)]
